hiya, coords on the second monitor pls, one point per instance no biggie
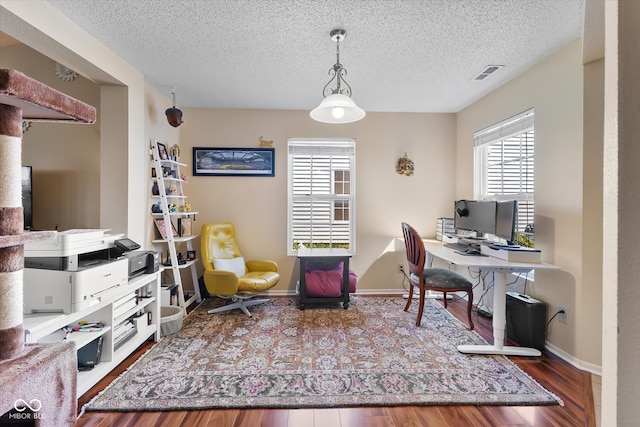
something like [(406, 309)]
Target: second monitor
[(487, 217)]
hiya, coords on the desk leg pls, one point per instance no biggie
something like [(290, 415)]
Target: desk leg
[(345, 283), (499, 323)]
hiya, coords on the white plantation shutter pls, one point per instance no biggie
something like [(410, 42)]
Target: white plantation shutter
[(321, 194), (504, 170)]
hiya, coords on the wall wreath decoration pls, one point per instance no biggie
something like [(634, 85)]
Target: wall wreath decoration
[(405, 166)]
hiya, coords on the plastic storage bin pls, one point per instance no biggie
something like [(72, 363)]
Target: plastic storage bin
[(170, 320)]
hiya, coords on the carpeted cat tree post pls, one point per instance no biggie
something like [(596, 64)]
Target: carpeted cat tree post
[(40, 373)]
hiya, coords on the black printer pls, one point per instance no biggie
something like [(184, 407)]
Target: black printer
[(142, 262)]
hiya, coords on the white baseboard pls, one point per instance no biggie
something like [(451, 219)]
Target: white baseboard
[(584, 366), (429, 295), (403, 292), (293, 293)]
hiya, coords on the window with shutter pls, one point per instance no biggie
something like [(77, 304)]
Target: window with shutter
[(504, 156), (321, 188)]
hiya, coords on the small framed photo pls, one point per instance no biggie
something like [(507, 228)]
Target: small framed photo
[(162, 151), (184, 227), (233, 161), (162, 228), (191, 255)]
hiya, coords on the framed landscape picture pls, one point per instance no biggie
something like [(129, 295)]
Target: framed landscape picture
[(233, 161)]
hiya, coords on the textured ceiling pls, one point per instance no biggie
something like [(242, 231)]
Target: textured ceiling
[(401, 55)]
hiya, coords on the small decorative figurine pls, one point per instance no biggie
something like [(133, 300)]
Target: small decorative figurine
[(175, 152), (265, 143)]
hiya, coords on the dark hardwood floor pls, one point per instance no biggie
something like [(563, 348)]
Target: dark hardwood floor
[(570, 384)]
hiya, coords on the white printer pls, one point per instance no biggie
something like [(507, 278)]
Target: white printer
[(72, 272)]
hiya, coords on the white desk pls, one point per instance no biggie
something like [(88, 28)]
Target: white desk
[(500, 269)]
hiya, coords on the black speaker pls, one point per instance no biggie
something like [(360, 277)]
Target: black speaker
[(526, 320)]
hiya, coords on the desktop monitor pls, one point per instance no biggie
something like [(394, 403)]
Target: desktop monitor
[(506, 219), (475, 215)]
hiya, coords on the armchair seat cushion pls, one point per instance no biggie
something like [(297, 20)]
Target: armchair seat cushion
[(442, 278), (257, 281)]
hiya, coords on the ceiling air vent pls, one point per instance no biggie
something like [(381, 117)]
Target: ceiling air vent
[(489, 69)]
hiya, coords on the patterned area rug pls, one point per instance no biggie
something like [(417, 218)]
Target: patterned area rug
[(282, 357)]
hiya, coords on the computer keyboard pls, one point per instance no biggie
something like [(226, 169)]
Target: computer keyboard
[(459, 246)]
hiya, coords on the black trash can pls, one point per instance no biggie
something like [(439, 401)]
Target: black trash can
[(526, 320)]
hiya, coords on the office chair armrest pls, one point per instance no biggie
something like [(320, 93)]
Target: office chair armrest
[(221, 282), (262, 265)]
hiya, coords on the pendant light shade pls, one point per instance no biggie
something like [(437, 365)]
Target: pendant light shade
[(337, 106)]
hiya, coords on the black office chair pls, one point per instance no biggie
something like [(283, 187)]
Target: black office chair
[(431, 279)]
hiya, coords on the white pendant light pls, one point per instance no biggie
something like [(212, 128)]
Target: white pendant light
[(337, 106)]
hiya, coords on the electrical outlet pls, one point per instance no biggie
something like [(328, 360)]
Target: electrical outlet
[(563, 317), (401, 268)]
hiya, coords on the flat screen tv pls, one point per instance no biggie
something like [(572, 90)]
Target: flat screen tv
[(475, 215), (27, 196)]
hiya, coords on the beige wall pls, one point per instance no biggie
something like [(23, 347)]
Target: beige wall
[(123, 149), (555, 89), (384, 197), (591, 297), (562, 165), (65, 157), (621, 330), (258, 205), (156, 128), (440, 147)]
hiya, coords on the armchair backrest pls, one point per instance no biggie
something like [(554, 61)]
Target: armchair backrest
[(218, 240)]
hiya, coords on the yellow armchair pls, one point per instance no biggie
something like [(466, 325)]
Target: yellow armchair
[(227, 274)]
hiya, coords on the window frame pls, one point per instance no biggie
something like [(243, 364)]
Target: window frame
[(345, 196), (517, 126), (339, 147)]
